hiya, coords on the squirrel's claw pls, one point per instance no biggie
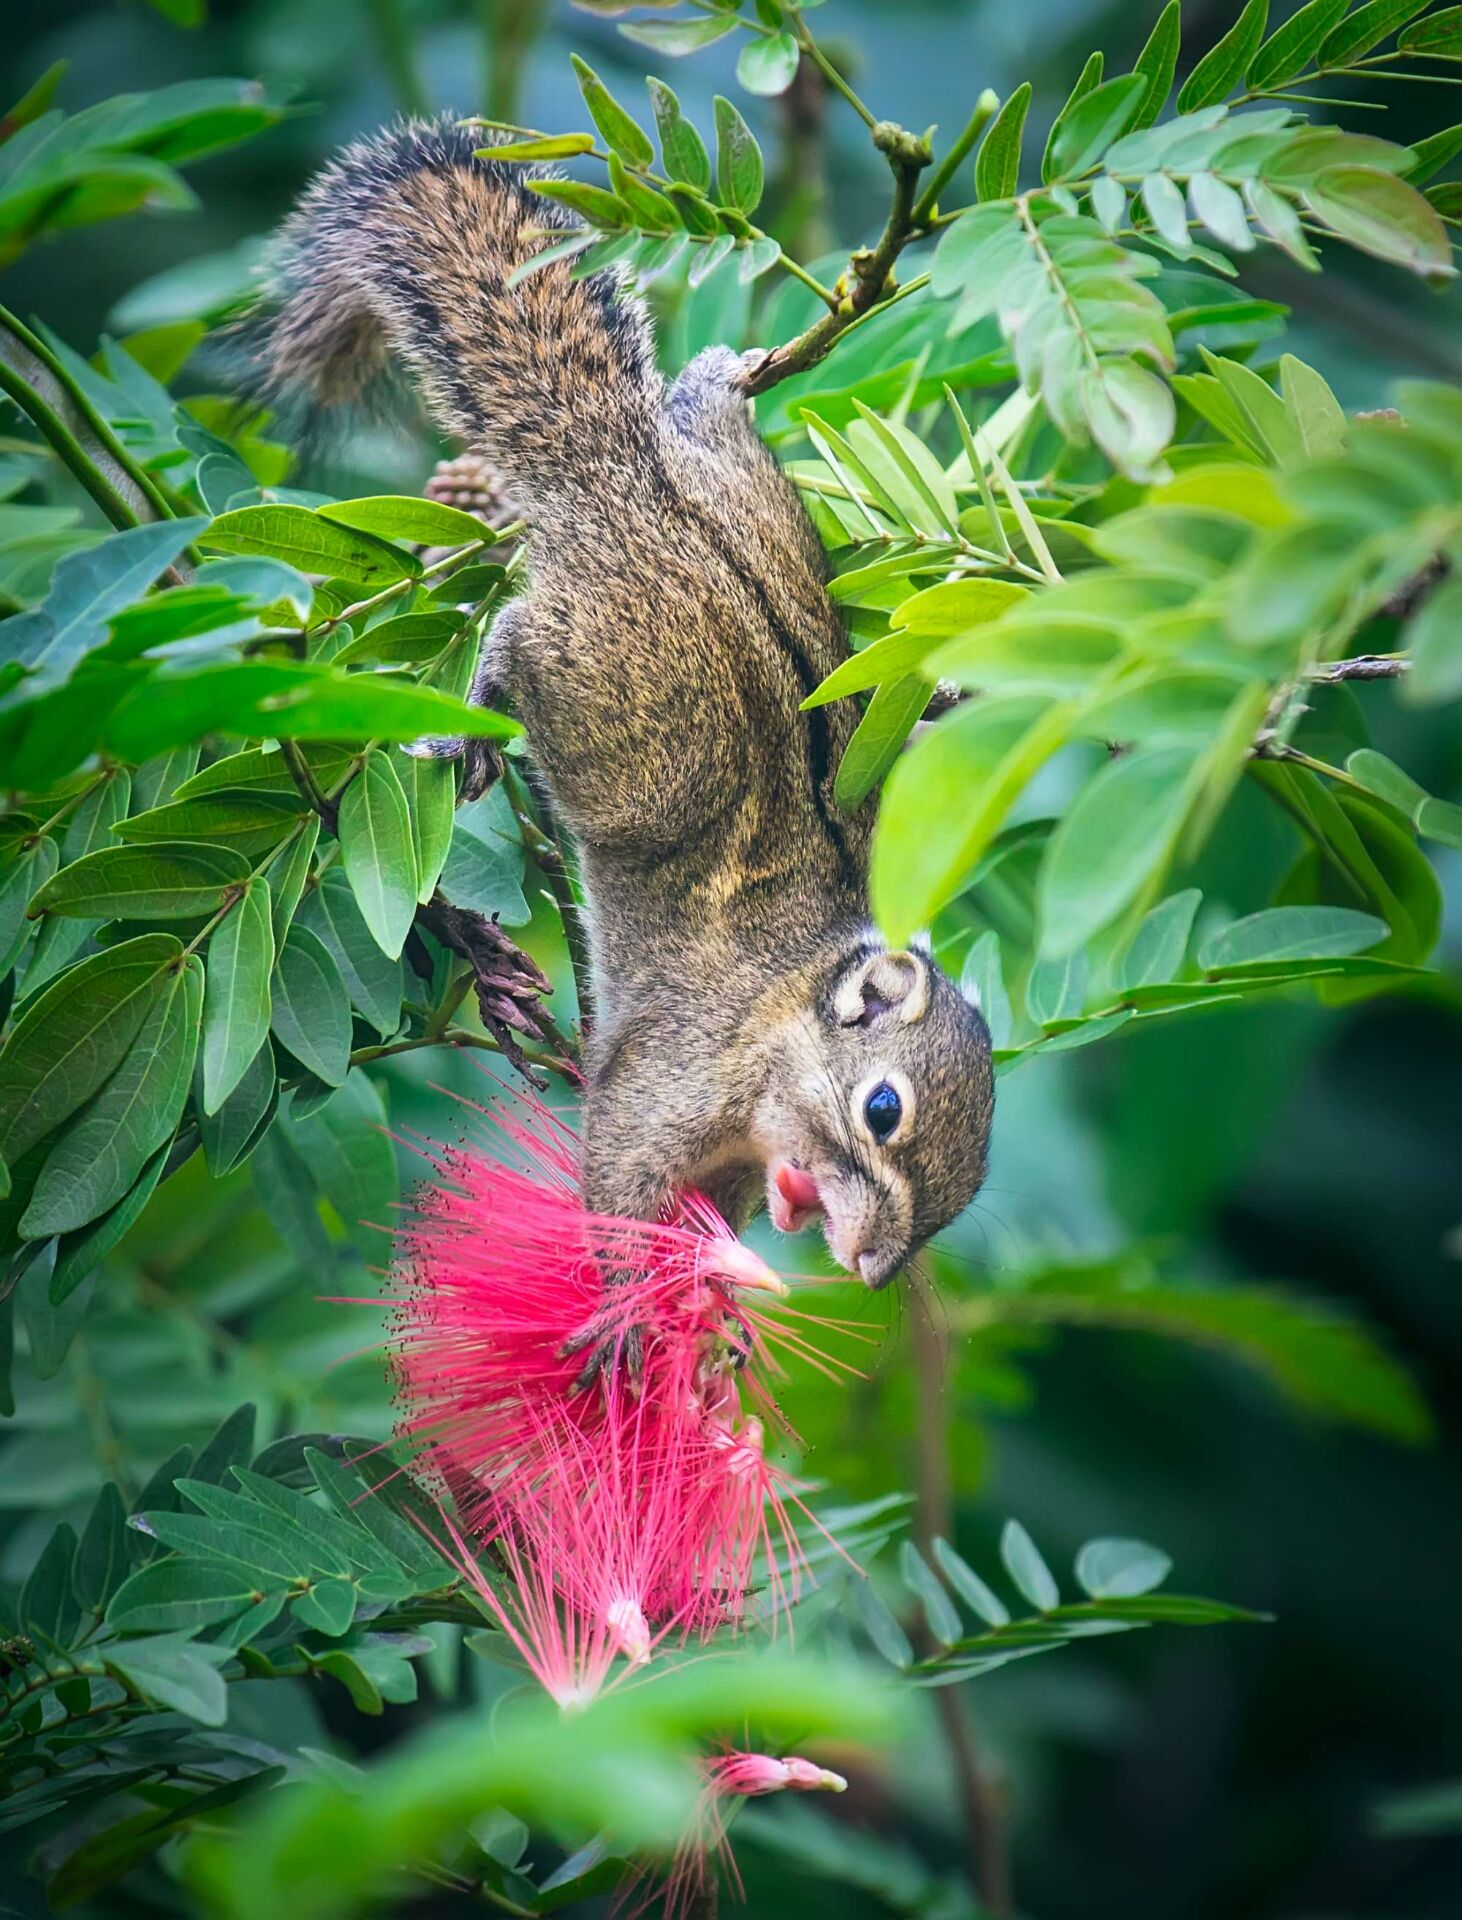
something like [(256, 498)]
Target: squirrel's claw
[(610, 1350)]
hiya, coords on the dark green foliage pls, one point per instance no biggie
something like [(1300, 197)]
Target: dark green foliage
[(1067, 474)]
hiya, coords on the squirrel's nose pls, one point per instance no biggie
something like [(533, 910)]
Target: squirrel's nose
[(877, 1269)]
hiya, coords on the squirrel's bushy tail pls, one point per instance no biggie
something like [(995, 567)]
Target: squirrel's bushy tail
[(402, 249)]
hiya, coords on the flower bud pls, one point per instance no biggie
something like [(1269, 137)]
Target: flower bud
[(732, 1261)]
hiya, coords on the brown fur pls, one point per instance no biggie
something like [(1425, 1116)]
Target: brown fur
[(676, 617)]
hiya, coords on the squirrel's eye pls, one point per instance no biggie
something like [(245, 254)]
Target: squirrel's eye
[(882, 1110)]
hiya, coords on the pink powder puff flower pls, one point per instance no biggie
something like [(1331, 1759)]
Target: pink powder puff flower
[(729, 1778), (620, 1515)]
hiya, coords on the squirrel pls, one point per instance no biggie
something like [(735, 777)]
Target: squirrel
[(753, 1031)]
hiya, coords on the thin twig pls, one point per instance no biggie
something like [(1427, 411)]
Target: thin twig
[(31, 342), (1366, 666), (987, 1851), (302, 774), (867, 282), (66, 446)]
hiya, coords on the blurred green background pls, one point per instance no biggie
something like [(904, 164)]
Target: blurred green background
[(1237, 1773)]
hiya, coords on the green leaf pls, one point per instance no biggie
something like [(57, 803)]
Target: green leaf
[(681, 147), (882, 1629), (982, 980), (236, 1004), (1439, 820), (291, 700), (1086, 80), (51, 1324), (312, 543), (365, 1696), (947, 797), (543, 146), (372, 979), (1086, 130), (79, 1254), (940, 1613), (311, 1013), (430, 787), (878, 739), (288, 875), (1225, 64), (970, 1587), (740, 173), (1158, 62), (87, 589), (1113, 837), (1222, 211), (255, 770), (997, 164), (1318, 416), (377, 851), (1121, 1569), (1290, 933), (26, 874), (1023, 1562), (101, 1562), (230, 1135), (173, 1672), (1384, 777), (679, 37), (1433, 637), (184, 881), (1290, 49), (174, 1594), (67, 1042), (1438, 150), (99, 1156), (409, 639), (249, 822), (328, 1606), (395, 516), (229, 1446), (1056, 989), (938, 617), (47, 1608), (1383, 215), (1157, 948), (1367, 27), (1440, 34), (768, 64), (353, 1163), (621, 134)]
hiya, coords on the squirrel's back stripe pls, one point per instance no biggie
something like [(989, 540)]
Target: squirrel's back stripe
[(403, 249)]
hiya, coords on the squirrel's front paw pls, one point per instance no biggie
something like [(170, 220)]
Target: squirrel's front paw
[(608, 1345), (482, 764)]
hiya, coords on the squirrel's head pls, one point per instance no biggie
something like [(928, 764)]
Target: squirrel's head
[(876, 1110)]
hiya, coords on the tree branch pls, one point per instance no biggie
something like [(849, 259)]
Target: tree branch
[(868, 280)]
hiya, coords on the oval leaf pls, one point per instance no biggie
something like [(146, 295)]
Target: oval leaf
[(311, 1012), (236, 1000), (101, 1153), (378, 853)]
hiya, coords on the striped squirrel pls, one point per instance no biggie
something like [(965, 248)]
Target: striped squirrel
[(753, 1031)]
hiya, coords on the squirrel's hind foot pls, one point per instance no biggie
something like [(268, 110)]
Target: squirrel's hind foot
[(482, 763)]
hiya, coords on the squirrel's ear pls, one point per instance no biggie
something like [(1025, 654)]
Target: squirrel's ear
[(888, 983)]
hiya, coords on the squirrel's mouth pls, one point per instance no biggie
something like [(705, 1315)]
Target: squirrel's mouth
[(792, 1197)]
